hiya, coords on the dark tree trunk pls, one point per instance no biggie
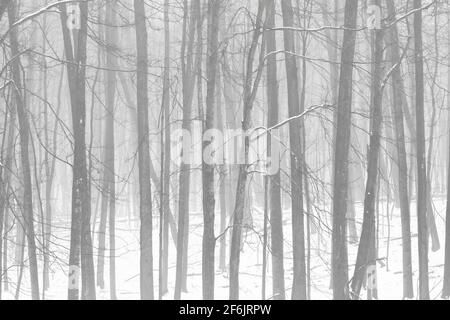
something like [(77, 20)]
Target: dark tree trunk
[(397, 106), (422, 193), (276, 216), (80, 237), (340, 181), (365, 261), (188, 78), (296, 157)]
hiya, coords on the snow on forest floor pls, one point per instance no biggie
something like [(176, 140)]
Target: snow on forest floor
[(127, 260)]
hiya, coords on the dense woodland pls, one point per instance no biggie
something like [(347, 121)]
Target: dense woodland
[(219, 149)]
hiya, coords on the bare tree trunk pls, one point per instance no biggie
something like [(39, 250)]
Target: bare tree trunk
[(222, 169), (188, 77), (365, 261), (446, 286), (111, 38), (432, 229), (20, 240), (303, 75), (250, 87), (161, 207), (209, 240), (145, 207), (24, 131), (105, 174), (276, 216), (422, 193), (199, 74), (340, 182), (102, 225), (265, 235), (80, 237), (397, 106), (48, 178), (5, 175), (5, 249), (296, 157), (167, 157)]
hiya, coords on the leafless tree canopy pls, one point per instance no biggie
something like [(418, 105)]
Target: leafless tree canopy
[(218, 149)]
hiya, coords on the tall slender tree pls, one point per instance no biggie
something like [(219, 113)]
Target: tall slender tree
[(276, 217), (145, 205), (250, 87), (365, 261), (397, 106), (80, 237), (167, 156), (24, 132), (209, 241), (446, 281), (188, 77), (111, 38), (424, 293), (298, 227), (5, 185), (340, 181)]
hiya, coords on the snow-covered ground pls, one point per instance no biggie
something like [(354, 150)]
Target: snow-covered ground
[(127, 260)]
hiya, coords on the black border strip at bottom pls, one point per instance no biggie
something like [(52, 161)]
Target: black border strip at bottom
[(223, 309)]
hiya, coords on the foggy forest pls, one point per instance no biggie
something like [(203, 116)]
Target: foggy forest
[(224, 149)]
